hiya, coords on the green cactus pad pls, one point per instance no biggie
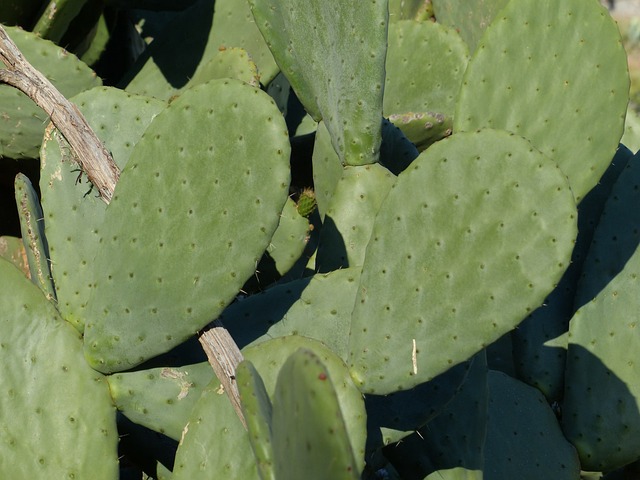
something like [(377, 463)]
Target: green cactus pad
[(470, 18), (524, 439), (601, 411), (174, 251), (161, 398), (433, 289), (557, 75), (22, 122), (318, 307), (73, 213), (35, 242), (257, 411), (313, 41), (57, 417), (309, 432), (228, 63), (410, 10), (349, 219), (424, 68), (396, 151)]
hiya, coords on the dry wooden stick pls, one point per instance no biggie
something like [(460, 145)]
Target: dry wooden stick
[(94, 158), (96, 161)]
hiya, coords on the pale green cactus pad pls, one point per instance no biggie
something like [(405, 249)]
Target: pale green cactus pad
[(433, 290), (174, 251), (533, 70), (57, 419)]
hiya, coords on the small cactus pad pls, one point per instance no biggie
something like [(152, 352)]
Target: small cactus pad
[(257, 411), (228, 63), (22, 122), (57, 418), (313, 41), (35, 242), (601, 411), (174, 251), (161, 398), (424, 68), (327, 168), (523, 437), (533, 70), (433, 289), (73, 214), (310, 438)]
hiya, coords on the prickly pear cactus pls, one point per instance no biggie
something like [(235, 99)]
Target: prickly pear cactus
[(411, 281), (170, 236)]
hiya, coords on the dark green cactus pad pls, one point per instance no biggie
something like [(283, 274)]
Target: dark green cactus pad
[(55, 18), (161, 398), (524, 439), (73, 213), (348, 221), (257, 411), (12, 249), (318, 307), (433, 289), (616, 236), (424, 68), (470, 18), (22, 122), (309, 431), (452, 443), (228, 63), (174, 251), (33, 237), (57, 418), (327, 168), (313, 44), (601, 412), (540, 92)]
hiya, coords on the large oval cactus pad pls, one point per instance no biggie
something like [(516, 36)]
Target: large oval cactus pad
[(555, 73), (174, 249), (57, 419), (471, 238)]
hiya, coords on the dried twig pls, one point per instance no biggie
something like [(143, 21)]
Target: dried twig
[(103, 173), (94, 158)]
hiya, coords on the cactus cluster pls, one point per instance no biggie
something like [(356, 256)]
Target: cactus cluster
[(414, 218)]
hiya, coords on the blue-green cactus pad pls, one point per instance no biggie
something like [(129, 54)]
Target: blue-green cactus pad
[(57, 417), (313, 42), (190, 217), (471, 238), (73, 212), (555, 73)]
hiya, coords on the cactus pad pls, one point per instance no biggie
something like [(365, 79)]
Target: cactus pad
[(435, 267)]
